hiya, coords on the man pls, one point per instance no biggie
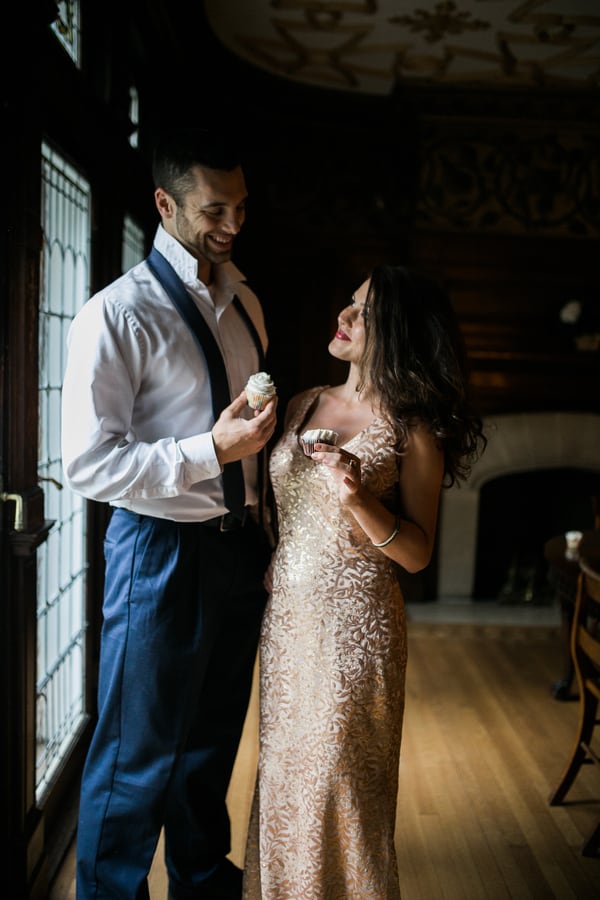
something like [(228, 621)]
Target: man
[(149, 427)]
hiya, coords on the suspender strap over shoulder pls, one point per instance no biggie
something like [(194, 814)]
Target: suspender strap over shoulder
[(233, 478)]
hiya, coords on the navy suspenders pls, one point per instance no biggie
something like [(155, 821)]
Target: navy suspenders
[(233, 479)]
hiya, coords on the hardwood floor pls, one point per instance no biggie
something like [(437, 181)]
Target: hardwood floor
[(484, 743)]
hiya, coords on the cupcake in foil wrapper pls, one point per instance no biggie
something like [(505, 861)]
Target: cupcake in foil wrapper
[(317, 436), (259, 390)]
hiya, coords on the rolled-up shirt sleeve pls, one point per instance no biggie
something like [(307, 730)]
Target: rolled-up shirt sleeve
[(114, 446)]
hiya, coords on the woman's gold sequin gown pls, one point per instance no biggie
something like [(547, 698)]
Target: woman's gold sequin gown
[(332, 666)]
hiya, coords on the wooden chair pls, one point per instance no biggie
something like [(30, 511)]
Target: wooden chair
[(585, 652)]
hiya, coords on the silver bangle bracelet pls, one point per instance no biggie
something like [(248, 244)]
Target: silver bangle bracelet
[(392, 535)]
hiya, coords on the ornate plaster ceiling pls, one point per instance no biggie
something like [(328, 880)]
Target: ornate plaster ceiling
[(371, 46)]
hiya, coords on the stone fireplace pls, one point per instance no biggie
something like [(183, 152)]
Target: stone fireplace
[(517, 443)]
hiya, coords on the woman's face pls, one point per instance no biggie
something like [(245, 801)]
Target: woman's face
[(348, 343)]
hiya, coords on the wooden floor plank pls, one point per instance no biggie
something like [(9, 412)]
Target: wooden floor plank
[(484, 743)]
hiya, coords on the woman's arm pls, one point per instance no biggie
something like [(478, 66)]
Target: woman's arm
[(421, 472)]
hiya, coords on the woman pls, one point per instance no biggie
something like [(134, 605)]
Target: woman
[(333, 645)]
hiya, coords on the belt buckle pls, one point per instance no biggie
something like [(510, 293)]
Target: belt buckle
[(230, 522)]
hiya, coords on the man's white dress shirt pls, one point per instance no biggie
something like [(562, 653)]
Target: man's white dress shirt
[(136, 400)]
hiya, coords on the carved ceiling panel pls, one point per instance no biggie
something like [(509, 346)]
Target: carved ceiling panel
[(370, 46)]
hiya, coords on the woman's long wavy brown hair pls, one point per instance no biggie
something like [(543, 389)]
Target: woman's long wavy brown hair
[(415, 363)]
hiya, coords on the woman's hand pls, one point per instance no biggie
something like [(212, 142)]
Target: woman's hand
[(344, 467)]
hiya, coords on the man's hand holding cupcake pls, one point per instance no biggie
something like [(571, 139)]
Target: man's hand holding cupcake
[(235, 436)]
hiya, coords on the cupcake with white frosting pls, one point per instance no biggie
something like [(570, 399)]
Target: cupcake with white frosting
[(259, 390)]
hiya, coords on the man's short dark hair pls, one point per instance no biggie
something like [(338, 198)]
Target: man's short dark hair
[(177, 152)]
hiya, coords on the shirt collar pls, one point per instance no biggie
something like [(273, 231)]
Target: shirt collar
[(226, 275)]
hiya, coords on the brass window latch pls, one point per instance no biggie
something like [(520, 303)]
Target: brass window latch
[(18, 501)]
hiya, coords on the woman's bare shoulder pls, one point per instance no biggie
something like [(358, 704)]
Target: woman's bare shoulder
[(300, 400)]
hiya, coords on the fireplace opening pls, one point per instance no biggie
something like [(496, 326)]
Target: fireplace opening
[(518, 513)]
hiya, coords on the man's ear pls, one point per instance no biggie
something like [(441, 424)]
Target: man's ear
[(164, 203)]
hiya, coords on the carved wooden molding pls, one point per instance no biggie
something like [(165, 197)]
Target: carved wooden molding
[(510, 178)]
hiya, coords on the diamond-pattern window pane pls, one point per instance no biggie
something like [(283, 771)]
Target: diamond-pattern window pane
[(132, 251), (66, 28), (61, 560)]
